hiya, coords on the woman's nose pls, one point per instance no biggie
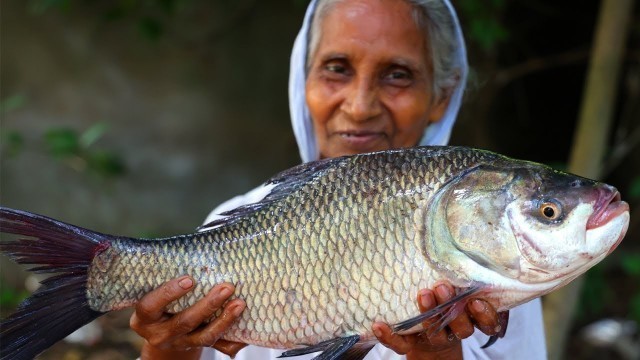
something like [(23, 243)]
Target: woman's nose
[(361, 101)]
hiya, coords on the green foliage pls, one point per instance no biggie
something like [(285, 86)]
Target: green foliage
[(595, 292), (62, 142), (41, 6), (76, 150), (634, 188), (11, 297), (12, 103), (12, 143), (631, 264), (150, 28), (483, 23), (635, 307)]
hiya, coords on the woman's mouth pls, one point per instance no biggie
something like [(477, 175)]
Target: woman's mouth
[(360, 140)]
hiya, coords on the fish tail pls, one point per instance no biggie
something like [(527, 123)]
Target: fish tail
[(60, 305)]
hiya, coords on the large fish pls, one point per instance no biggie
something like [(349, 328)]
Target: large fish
[(335, 246)]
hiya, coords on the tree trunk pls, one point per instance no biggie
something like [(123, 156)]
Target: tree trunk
[(590, 145)]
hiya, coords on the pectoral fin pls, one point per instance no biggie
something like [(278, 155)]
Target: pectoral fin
[(444, 313), (343, 348)]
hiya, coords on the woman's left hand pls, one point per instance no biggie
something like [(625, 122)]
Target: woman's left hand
[(444, 344)]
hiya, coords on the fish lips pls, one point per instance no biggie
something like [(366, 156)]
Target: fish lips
[(608, 207)]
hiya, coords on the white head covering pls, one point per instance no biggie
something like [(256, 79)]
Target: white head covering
[(435, 134)]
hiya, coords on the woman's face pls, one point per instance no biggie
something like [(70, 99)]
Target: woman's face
[(369, 83)]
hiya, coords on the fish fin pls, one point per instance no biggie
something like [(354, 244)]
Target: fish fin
[(503, 319), (60, 306), (283, 184), (357, 352), (445, 312), (331, 349)]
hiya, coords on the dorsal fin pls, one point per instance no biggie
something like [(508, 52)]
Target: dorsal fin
[(285, 183)]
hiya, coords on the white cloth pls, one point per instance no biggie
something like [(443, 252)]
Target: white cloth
[(525, 337)]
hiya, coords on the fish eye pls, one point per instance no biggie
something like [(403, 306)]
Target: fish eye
[(550, 210)]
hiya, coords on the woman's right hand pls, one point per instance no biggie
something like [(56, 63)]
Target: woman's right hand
[(185, 333)]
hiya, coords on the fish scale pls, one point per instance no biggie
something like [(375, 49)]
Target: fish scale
[(341, 243), (241, 260)]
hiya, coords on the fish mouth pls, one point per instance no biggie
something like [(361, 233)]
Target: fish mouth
[(608, 207)]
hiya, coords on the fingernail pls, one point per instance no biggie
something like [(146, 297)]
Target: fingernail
[(377, 332), (426, 301), (478, 306), (443, 291), (237, 309), (225, 292), (497, 329), (186, 283)]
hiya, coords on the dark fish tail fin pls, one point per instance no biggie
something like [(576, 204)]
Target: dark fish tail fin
[(60, 306)]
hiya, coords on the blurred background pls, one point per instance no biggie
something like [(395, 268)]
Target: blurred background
[(137, 117)]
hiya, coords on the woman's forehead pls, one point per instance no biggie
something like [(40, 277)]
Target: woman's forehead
[(372, 28)]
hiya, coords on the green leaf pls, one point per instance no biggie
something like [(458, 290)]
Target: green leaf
[(62, 142), (106, 164), (151, 28), (13, 142), (92, 134), (634, 305), (41, 6), (10, 297), (631, 264), (634, 188), (12, 102)]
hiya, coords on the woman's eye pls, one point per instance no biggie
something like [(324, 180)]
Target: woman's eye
[(399, 77), (336, 68), (550, 210), (335, 71)]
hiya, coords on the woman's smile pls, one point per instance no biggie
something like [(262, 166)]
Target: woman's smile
[(360, 140), (369, 82)]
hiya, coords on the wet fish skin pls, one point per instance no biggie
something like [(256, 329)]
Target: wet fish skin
[(330, 256), (341, 243), (305, 264)]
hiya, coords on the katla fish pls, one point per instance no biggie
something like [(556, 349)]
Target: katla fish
[(335, 246)]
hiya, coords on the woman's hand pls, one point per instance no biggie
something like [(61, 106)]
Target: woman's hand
[(185, 333), (444, 344)]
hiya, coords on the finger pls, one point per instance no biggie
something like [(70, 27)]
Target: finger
[(398, 343), (230, 348), (152, 306), (461, 326), (192, 317), (427, 301), (210, 334), (485, 316)]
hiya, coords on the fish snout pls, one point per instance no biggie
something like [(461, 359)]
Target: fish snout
[(608, 206)]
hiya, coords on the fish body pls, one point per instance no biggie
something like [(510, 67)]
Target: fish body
[(341, 243)]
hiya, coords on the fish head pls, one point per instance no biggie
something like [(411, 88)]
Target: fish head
[(564, 224), (528, 222)]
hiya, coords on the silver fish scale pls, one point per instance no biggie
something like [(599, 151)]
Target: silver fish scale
[(327, 259)]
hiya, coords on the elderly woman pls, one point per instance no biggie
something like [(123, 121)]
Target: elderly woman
[(366, 75)]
